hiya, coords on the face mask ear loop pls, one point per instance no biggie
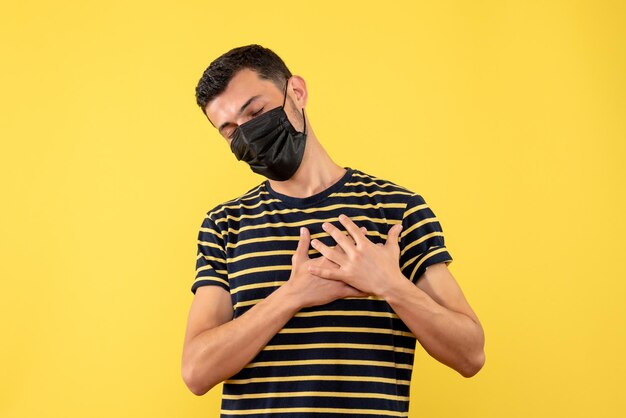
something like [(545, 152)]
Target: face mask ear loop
[(285, 99)]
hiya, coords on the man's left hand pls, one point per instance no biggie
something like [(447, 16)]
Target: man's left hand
[(362, 264)]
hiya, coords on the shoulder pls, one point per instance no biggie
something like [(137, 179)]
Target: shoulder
[(219, 213), (383, 185), (379, 181)]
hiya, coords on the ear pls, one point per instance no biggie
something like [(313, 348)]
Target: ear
[(300, 94)]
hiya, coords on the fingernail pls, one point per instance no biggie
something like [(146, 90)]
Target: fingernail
[(301, 230)]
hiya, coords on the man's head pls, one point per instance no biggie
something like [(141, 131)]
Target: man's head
[(241, 74), (253, 100), (264, 61)]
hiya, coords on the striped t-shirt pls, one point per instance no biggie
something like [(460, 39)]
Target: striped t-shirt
[(349, 358)]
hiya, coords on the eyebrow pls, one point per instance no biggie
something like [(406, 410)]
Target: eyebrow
[(243, 107)]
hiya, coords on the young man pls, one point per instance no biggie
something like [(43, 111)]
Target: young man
[(329, 330)]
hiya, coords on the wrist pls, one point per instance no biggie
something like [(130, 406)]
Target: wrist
[(288, 297), (395, 286)]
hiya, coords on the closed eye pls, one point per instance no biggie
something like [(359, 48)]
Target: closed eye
[(230, 136)]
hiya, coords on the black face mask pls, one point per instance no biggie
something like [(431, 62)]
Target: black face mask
[(270, 144)]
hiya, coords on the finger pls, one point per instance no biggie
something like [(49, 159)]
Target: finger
[(350, 238), (364, 229), (393, 235), (325, 273), (325, 262), (353, 230), (302, 250), (333, 254), (353, 292), (342, 239)]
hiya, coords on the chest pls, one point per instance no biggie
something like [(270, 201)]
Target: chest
[(261, 245)]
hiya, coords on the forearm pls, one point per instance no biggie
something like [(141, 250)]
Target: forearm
[(218, 353), (451, 337)]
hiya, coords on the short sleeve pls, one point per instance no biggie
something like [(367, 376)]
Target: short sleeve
[(421, 239), (210, 258)]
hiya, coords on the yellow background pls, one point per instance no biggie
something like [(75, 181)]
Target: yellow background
[(508, 117)]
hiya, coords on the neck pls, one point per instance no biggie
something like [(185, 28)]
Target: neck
[(316, 172)]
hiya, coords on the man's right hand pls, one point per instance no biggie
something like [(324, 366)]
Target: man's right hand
[(311, 290), (218, 346)]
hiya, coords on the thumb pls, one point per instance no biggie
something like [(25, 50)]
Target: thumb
[(393, 235), (302, 251)]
